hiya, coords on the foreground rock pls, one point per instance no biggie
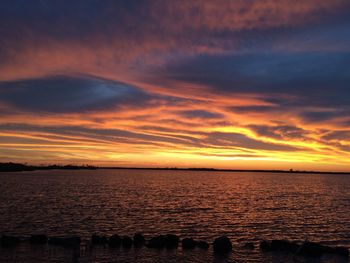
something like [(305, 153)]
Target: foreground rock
[(68, 242), (265, 246), (305, 249), (115, 241), (315, 249), (284, 245), (38, 239), (126, 242), (222, 245), (98, 240), (248, 246), (9, 241), (279, 245), (139, 240), (188, 243), (203, 245), (156, 242), (171, 241)]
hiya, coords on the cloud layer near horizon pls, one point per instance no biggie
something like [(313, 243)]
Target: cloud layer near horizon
[(241, 84)]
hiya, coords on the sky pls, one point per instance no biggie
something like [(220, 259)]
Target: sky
[(241, 84)]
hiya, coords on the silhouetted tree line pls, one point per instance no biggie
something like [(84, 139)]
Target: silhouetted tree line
[(18, 167)]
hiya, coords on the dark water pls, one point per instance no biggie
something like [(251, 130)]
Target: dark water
[(247, 207)]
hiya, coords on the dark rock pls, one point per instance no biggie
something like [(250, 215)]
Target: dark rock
[(203, 245), (284, 245), (311, 249), (157, 242), (65, 241), (341, 251), (9, 241), (126, 242), (139, 240), (38, 239), (222, 245), (265, 246), (316, 249), (171, 241), (249, 245), (115, 241), (98, 240), (188, 243), (279, 245)]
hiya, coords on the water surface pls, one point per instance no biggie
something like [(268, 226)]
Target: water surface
[(247, 207)]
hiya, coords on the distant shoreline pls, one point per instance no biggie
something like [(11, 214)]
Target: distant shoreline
[(18, 167)]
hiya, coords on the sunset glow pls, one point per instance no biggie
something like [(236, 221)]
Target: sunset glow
[(222, 84)]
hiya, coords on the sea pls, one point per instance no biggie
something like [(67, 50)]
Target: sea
[(244, 206)]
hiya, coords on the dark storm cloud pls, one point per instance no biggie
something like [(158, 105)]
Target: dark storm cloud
[(67, 94)]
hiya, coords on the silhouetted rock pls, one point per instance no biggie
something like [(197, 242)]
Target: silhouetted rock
[(284, 245), (65, 241), (222, 245), (156, 242), (115, 241), (188, 243), (126, 242), (311, 249), (98, 240), (38, 239), (203, 245), (249, 245), (306, 249), (171, 241), (341, 251), (139, 240), (279, 245), (9, 241), (316, 249), (265, 246)]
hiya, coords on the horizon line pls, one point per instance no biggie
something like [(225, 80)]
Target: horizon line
[(29, 167)]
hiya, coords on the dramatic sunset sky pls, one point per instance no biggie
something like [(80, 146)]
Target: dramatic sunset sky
[(225, 84)]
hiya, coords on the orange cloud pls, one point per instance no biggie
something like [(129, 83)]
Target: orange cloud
[(204, 84)]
